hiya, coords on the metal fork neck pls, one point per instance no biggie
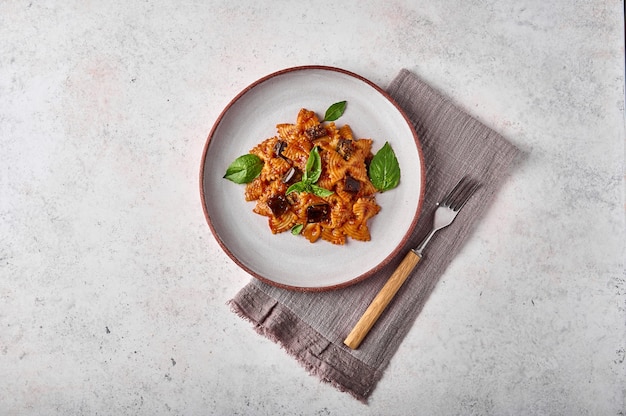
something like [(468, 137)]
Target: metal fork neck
[(419, 250)]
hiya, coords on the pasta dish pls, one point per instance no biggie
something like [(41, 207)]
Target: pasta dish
[(314, 181)]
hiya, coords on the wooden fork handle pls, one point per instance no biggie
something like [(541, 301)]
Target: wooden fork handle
[(382, 299)]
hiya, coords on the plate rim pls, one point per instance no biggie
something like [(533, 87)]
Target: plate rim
[(362, 276)]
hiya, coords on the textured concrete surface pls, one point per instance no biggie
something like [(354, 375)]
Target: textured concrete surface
[(113, 291)]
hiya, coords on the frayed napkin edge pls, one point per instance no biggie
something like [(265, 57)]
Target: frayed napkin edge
[(313, 370)]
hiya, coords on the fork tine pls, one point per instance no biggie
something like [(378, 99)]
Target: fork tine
[(453, 194), (464, 195)]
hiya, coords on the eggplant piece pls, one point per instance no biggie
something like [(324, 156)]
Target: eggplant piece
[(278, 204), (317, 213), (345, 148), (278, 149), (351, 185), (292, 176), (315, 132)]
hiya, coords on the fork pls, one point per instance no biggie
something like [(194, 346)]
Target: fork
[(445, 213)]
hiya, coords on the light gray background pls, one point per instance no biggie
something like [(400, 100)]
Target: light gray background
[(113, 291)]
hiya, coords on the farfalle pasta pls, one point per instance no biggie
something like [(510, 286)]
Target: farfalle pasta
[(337, 204)]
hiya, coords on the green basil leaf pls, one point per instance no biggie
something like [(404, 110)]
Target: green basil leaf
[(335, 111), (319, 191), (313, 167), (244, 169), (298, 187), (297, 229), (312, 173), (384, 170)]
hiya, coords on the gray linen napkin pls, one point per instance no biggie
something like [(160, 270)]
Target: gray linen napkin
[(311, 326)]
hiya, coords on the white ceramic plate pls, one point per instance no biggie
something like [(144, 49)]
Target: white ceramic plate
[(292, 261)]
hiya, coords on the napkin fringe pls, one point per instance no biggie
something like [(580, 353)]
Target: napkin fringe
[(318, 356)]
